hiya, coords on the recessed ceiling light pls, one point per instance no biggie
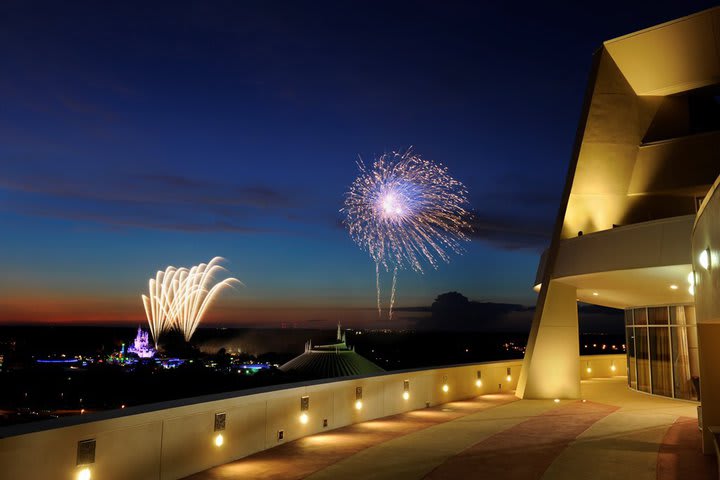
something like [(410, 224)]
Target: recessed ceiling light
[(673, 287)]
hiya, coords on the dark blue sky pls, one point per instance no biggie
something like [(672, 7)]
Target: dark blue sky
[(138, 135)]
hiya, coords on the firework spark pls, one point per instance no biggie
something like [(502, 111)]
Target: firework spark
[(406, 211), (179, 297)]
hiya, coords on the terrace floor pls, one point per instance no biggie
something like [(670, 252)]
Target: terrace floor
[(613, 433)]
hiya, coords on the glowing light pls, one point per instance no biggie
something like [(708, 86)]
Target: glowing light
[(406, 395), (179, 297), (358, 405), (691, 290), (406, 211), (122, 406), (84, 474), (445, 388), (219, 440), (691, 278), (589, 370), (673, 287), (303, 418), (595, 294), (478, 383), (508, 378), (613, 368), (704, 258), (557, 400)]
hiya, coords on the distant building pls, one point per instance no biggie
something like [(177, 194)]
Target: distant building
[(141, 346), (329, 361)]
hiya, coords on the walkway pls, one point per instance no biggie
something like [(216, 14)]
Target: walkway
[(613, 433)]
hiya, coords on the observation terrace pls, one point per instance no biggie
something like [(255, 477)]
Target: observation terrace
[(431, 423)]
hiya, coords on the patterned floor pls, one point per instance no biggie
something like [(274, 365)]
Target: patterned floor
[(613, 433)]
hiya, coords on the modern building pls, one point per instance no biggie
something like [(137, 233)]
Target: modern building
[(638, 229), (330, 361), (646, 155)]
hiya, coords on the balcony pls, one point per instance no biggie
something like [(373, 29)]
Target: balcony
[(453, 422)]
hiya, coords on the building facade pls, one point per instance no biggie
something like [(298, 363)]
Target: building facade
[(646, 156)]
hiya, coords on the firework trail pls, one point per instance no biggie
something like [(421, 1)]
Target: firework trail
[(392, 294), (179, 297), (406, 211)]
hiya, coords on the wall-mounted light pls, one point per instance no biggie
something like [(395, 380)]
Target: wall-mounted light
[(83, 474), (509, 375), (406, 389), (304, 408), (358, 398), (595, 294), (612, 366), (478, 381), (445, 387), (588, 369), (704, 259), (85, 458), (673, 287), (218, 428), (691, 281)]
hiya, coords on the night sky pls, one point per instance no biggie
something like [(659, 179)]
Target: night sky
[(139, 135)]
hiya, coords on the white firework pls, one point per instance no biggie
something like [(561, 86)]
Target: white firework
[(179, 297), (406, 211)]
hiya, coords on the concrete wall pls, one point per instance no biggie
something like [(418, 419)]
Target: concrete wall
[(175, 439), (551, 357), (706, 235), (649, 244), (601, 366)]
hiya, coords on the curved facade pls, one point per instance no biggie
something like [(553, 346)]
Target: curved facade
[(662, 351)]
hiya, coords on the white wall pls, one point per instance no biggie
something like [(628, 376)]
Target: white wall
[(175, 439), (706, 235)]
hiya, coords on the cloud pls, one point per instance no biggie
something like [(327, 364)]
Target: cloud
[(150, 201), (511, 232)]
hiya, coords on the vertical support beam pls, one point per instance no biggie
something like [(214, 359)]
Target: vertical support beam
[(550, 368)]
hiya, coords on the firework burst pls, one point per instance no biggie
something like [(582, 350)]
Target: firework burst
[(406, 212), (179, 297)]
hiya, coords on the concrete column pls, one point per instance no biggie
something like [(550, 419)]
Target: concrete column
[(550, 368)]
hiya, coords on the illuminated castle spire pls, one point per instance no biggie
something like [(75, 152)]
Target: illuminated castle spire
[(141, 346)]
